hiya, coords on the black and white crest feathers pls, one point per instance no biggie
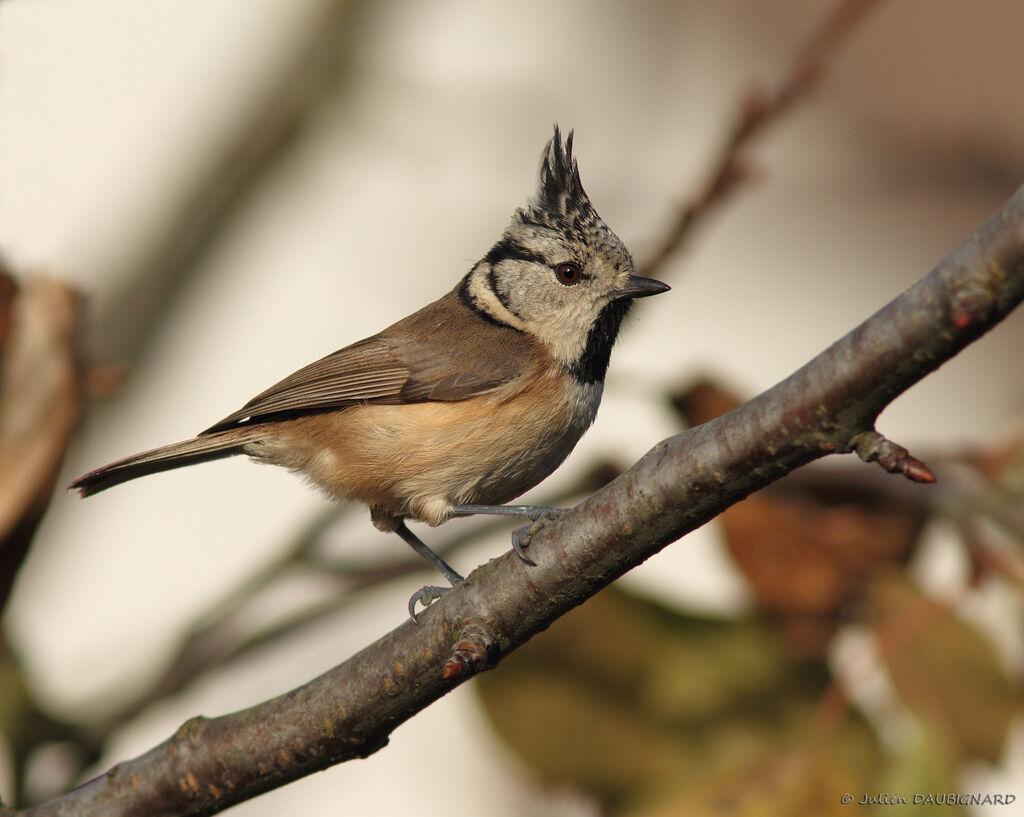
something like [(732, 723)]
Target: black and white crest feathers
[(560, 198), (559, 187)]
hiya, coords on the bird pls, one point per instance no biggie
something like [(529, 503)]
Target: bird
[(461, 406)]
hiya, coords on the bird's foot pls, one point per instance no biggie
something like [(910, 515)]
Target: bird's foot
[(521, 536), (425, 596)]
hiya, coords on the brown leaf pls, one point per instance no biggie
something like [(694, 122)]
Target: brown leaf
[(808, 544), (39, 406), (806, 561), (702, 401), (944, 670)]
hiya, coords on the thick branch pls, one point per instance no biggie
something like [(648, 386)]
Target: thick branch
[(682, 483)]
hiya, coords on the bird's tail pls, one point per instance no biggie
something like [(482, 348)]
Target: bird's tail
[(203, 448)]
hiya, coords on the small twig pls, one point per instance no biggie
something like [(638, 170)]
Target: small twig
[(761, 108), (873, 447)]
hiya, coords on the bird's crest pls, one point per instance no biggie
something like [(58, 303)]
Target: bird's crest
[(560, 200)]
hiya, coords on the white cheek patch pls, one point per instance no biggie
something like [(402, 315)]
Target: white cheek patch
[(480, 290)]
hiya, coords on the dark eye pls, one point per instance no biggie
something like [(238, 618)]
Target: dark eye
[(568, 273)]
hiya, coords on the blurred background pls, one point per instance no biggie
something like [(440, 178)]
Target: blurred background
[(235, 189)]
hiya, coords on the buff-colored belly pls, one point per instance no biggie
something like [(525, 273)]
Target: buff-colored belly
[(417, 460)]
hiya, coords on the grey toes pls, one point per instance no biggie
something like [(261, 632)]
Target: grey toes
[(425, 596), (521, 536)]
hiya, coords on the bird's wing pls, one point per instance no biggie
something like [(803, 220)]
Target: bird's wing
[(363, 372), (418, 359)]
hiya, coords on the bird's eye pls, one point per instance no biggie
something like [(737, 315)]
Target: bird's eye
[(568, 273)]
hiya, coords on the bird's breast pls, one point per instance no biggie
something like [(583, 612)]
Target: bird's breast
[(418, 459)]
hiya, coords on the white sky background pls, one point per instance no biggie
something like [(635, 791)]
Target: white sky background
[(108, 108)]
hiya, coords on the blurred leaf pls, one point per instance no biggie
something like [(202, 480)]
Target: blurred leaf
[(922, 768), (647, 708), (40, 402), (806, 561), (781, 781), (570, 733), (679, 667), (8, 292), (15, 700), (945, 671), (702, 401), (808, 544)]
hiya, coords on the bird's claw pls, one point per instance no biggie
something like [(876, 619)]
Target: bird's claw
[(425, 596), (521, 540), (521, 536)]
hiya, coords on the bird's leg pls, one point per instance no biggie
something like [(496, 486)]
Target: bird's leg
[(430, 593), (538, 514), (413, 541)]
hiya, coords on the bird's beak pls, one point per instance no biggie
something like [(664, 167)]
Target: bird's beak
[(637, 287)]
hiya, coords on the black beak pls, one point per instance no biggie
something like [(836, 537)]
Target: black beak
[(637, 287)]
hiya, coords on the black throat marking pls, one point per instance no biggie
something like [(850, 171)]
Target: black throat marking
[(592, 364)]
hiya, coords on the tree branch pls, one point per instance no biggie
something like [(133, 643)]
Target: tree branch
[(828, 406)]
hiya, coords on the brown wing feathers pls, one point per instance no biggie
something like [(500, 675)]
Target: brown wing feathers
[(441, 353), (367, 371)]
